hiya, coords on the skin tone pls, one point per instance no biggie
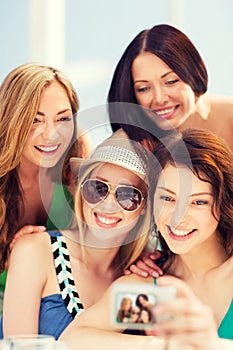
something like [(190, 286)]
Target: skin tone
[(160, 90), (97, 270), (201, 265), (194, 236), (108, 214), (172, 102), (52, 129), (135, 314), (197, 225), (145, 317), (48, 140)]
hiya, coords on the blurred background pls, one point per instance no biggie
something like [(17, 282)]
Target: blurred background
[(85, 39)]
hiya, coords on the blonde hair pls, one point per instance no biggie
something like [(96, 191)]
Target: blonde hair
[(20, 94), (137, 237)]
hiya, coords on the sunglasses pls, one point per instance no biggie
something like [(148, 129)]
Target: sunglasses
[(128, 197)]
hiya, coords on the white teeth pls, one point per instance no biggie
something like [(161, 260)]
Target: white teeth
[(165, 111), (47, 148), (107, 221), (181, 232)]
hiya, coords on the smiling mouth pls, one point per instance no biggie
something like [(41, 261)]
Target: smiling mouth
[(47, 149), (107, 220), (166, 112), (179, 232)]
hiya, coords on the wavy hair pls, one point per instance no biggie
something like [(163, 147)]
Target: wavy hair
[(211, 160), (20, 94)]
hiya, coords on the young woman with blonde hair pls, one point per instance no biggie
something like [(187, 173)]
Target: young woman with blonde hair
[(38, 119), (54, 275)]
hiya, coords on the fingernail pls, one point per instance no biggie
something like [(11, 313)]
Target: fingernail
[(155, 274), (144, 274)]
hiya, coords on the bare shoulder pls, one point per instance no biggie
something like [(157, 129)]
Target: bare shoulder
[(228, 266), (220, 116), (223, 105), (220, 100), (33, 246), (226, 272)]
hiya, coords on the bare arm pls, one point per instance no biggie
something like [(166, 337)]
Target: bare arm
[(25, 281), (92, 329), (193, 327)]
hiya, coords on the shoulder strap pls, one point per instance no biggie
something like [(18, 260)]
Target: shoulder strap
[(64, 275)]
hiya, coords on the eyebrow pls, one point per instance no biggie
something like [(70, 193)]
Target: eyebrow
[(60, 112), (119, 184), (192, 195), (163, 76)]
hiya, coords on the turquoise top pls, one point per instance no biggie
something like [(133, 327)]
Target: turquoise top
[(225, 329)]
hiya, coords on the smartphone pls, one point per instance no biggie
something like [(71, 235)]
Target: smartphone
[(131, 304)]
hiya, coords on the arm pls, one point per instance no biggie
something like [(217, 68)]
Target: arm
[(92, 329), (25, 281), (191, 323), (192, 328)]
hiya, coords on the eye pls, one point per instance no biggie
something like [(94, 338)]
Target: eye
[(200, 202), (65, 119), (36, 120), (171, 82), (167, 198), (142, 89)]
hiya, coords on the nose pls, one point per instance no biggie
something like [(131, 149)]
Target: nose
[(180, 215), (160, 96), (50, 131), (109, 204)]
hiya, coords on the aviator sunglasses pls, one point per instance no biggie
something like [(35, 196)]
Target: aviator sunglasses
[(128, 197)]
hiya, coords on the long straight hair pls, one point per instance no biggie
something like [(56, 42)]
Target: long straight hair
[(20, 94)]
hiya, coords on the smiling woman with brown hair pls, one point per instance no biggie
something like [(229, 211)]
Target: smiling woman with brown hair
[(160, 84)]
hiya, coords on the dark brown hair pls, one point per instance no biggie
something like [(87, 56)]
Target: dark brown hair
[(178, 52), (211, 160)]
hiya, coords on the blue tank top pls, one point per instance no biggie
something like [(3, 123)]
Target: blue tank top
[(58, 310)]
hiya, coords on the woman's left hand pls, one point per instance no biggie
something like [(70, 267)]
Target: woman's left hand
[(145, 265), (190, 321)]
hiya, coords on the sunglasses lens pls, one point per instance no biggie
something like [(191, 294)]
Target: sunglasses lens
[(94, 191), (128, 197)]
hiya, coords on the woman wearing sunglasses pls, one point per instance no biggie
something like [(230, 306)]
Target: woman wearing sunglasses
[(53, 276), (192, 191)]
